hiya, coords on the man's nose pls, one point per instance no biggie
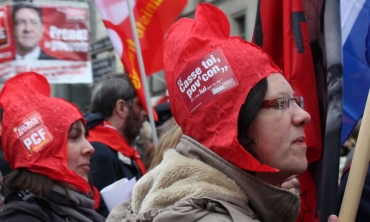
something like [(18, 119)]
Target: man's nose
[(27, 26)]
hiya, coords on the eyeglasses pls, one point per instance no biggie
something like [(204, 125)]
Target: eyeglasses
[(283, 102)]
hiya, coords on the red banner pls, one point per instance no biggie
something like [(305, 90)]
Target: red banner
[(7, 45), (153, 19), (281, 30), (66, 33)]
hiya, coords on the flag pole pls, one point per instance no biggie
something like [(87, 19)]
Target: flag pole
[(326, 197), (142, 73), (359, 166)]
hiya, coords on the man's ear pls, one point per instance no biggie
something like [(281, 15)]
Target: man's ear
[(121, 108)]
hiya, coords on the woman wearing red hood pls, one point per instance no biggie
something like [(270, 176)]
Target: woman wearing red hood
[(243, 132), (44, 140)]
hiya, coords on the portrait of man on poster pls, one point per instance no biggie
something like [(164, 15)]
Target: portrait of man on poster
[(28, 31)]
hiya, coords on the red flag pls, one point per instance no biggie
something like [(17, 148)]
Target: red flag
[(153, 19), (281, 30)]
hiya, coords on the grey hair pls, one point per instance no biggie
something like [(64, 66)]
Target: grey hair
[(108, 91)]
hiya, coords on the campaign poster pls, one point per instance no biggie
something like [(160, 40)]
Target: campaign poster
[(50, 40)]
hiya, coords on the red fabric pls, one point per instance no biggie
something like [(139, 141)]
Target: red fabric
[(60, 17), (214, 123), (106, 134), (153, 19), (308, 198), (35, 129), (280, 42), (163, 99), (96, 197)]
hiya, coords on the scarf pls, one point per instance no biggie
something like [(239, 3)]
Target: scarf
[(78, 205), (107, 134)]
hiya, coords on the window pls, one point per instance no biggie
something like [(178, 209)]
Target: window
[(241, 26), (157, 83)]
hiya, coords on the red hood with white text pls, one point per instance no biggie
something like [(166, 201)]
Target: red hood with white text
[(209, 75), (35, 128)]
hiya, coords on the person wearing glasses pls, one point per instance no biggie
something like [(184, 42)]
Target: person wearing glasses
[(28, 31), (114, 122), (243, 142)]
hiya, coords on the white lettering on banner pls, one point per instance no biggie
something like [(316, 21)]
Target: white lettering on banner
[(2, 33), (5, 70), (76, 14), (66, 72), (35, 139), (67, 46), (55, 71), (5, 55), (68, 34)]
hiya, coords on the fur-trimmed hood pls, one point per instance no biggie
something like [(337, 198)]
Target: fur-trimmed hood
[(178, 178), (190, 177)]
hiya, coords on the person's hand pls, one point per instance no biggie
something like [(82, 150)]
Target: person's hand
[(292, 184), (333, 218)]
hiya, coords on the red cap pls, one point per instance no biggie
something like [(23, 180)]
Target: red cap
[(35, 128), (209, 76)]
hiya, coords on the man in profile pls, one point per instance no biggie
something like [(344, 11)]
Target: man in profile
[(28, 31), (114, 122)]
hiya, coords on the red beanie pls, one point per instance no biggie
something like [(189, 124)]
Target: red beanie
[(35, 129), (209, 76)]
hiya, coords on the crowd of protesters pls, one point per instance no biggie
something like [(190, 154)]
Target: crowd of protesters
[(227, 155)]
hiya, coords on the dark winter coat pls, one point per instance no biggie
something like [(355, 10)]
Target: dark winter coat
[(106, 167), (55, 208)]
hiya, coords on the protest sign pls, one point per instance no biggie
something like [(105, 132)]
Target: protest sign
[(48, 39)]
